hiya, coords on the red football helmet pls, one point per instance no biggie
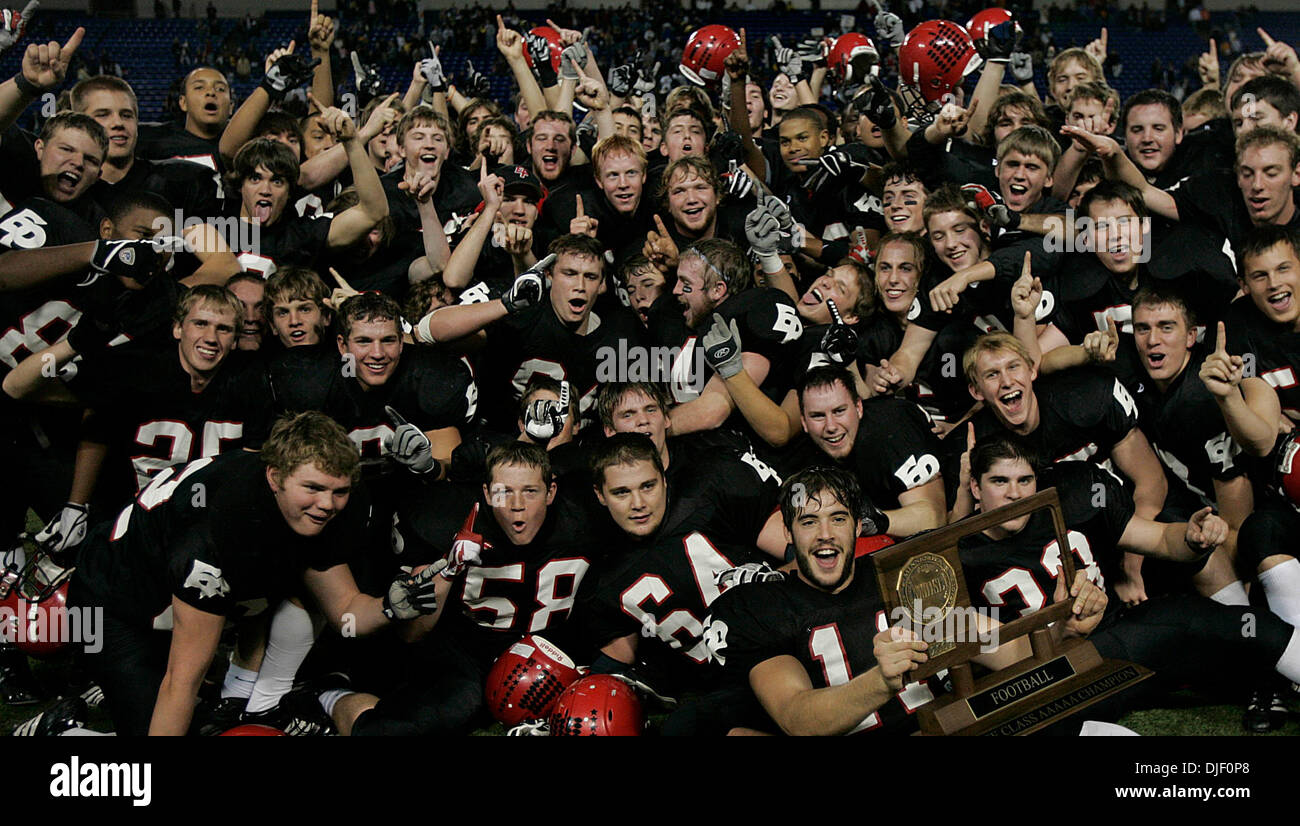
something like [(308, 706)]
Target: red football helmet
[(853, 57), (552, 37), (979, 25), (526, 680), (252, 730), (1288, 469), (706, 50), (36, 597), (931, 64), (598, 706)]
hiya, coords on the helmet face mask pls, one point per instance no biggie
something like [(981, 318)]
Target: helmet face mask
[(40, 586), (932, 62), (705, 54)]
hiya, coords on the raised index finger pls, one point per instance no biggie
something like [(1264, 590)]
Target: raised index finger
[(1268, 41), (580, 212), (659, 222), (1027, 268), (394, 415), (339, 279), (73, 43), (1221, 339), (314, 10), (1103, 39)]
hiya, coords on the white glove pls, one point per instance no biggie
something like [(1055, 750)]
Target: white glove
[(409, 445), (66, 530)]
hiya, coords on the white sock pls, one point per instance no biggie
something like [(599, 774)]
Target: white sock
[(329, 699), (287, 645), (1289, 664), (1282, 588), (1234, 594), (85, 732), (239, 682)]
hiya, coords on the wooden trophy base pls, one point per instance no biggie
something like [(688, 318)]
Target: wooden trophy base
[(1029, 695)]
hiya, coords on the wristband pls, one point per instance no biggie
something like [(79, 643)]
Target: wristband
[(26, 88)]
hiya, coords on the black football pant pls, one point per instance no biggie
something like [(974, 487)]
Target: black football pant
[(130, 669), (442, 693), (1271, 529), (1193, 640)]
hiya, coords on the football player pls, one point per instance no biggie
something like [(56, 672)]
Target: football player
[(217, 538)]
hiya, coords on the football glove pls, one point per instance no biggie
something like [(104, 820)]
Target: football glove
[(840, 341), (477, 84), (289, 72), (645, 83), (813, 51), (877, 104), (999, 43), (539, 49), (138, 260), (1022, 67), (412, 595), (66, 530), (722, 348), (409, 446), (527, 290), (789, 63), (889, 27), (763, 231), (989, 204), (545, 418), (466, 547), (738, 183), (749, 572), (431, 68), (367, 78), (13, 24), (621, 78), (838, 164), (874, 521)]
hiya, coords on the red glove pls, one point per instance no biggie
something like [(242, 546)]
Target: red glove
[(467, 547)]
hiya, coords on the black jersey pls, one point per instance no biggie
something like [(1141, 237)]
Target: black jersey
[(728, 494), (1213, 200), (290, 241), (22, 179), (172, 141), (661, 591), (1273, 348), (537, 341), (456, 199), (1187, 431), (146, 410), (769, 326), (211, 535), (893, 452), (939, 385), (186, 186), (36, 318), (954, 160), (831, 635), (1017, 575), (430, 389), (516, 589)]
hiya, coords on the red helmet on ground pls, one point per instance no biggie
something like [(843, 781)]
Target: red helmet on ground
[(598, 705), (552, 37), (1288, 469), (706, 50), (977, 27), (853, 57), (932, 61), (526, 680), (36, 597), (253, 730)]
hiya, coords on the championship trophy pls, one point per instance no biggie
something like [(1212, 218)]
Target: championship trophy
[(922, 579)]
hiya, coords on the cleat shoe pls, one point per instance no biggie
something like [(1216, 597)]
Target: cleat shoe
[(1265, 712), (65, 714)]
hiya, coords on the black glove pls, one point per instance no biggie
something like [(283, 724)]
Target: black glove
[(999, 42), (877, 104), (528, 287), (836, 165), (726, 145), (621, 79), (477, 84), (874, 521), (742, 574), (840, 341), (539, 49), (367, 78), (287, 73), (139, 261), (412, 595)]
